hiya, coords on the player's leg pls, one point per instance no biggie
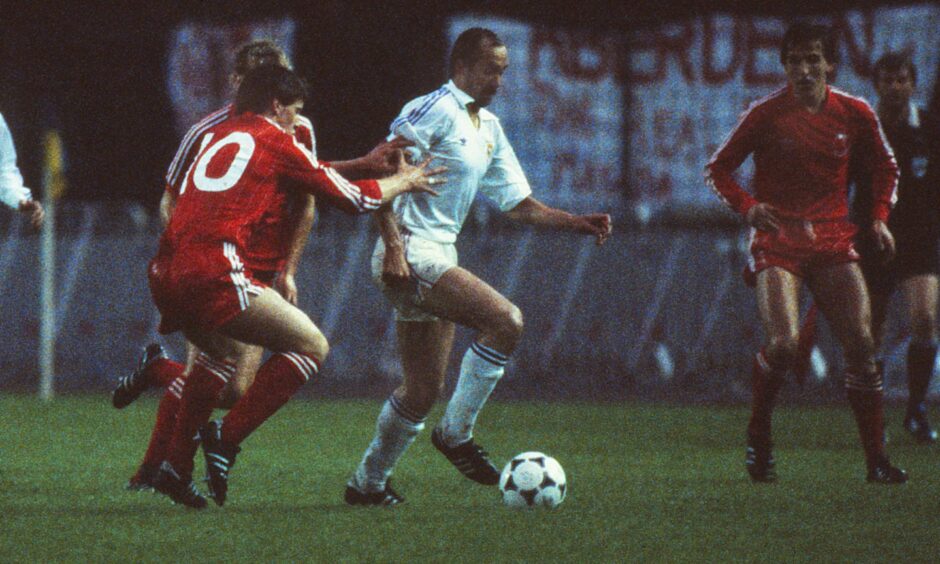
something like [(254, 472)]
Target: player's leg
[(299, 348), (778, 306), (879, 313), (154, 369), (246, 366), (462, 297), (920, 295), (425, 348), (211, 371), (248, 360), (842, 296)]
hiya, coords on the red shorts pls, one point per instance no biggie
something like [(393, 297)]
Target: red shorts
[(264, 277), (801, 247), (200, 287)]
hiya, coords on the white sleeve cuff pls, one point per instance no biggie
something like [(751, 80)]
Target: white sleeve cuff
[(12, 191)]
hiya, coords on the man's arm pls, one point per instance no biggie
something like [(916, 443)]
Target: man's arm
[(884, 182), (12, 191), (395, 271), (303, 223), (360, 196), (381, 161), (883, 167), (719, 172), (534, 212)]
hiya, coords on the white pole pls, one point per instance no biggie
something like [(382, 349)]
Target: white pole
[(47, 324)]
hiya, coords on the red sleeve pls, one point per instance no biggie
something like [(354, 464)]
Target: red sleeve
[(719, 172), (325, 183), (881, 163)]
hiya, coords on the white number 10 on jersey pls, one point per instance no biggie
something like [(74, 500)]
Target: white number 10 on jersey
[(246, 147)]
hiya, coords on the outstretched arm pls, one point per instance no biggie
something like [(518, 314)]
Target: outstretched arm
[(381, 161), (534, 212), (361, 196)]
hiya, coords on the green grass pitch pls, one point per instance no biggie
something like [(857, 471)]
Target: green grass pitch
[(647, 483)]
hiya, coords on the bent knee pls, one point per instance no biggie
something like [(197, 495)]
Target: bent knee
[(315, 345), (508, 328), (421, 398)]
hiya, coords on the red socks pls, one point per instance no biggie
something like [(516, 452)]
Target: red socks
[(277, 380), (765, 385), (163, 371), (165, 424), (200, 393), (866, 397)]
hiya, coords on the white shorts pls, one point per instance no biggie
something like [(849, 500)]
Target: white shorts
[(428, 261)]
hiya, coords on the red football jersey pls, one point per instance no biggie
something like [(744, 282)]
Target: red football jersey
[(242, 174), (801, 159), (271, 242), (189, 146)]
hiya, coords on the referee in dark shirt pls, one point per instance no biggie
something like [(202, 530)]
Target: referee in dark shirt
[(915, 222)]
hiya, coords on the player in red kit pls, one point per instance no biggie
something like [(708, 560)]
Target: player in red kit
[(801, 138), (202, 285), (273, 256)]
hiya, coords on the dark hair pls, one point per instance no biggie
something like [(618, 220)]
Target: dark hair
[(257, 54), (805, 32), (470, 46), (894, 61), (265, 84)]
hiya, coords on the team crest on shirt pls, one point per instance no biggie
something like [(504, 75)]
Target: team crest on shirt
[(840, 146)]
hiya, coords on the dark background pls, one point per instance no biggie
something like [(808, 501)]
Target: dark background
[(95, 70)]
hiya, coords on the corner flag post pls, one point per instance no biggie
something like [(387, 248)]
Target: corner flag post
[(53, 187)]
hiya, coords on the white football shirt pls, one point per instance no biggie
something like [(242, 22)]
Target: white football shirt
[(12, 191), (476, 159)]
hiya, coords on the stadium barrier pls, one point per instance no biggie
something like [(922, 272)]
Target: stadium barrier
[(656, 314)]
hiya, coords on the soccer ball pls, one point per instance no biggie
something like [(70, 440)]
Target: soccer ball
[(533, 479)]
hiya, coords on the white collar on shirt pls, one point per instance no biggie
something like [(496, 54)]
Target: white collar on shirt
[(463, 99)]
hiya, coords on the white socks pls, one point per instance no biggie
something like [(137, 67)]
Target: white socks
[(397, 427), (480, 370), (395, 430)]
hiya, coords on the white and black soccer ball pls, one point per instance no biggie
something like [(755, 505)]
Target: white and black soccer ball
[(533, 479)]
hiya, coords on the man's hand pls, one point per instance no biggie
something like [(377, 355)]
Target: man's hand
[(597, 224), (286, 287), (383, 159), (409, 178), (763, 217), (884, 240), (34, 209), (395, 271)]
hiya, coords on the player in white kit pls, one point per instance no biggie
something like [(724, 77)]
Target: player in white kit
[(12, 191), (415, 264)]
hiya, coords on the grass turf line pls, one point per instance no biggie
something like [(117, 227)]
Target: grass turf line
[(646, 483)]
